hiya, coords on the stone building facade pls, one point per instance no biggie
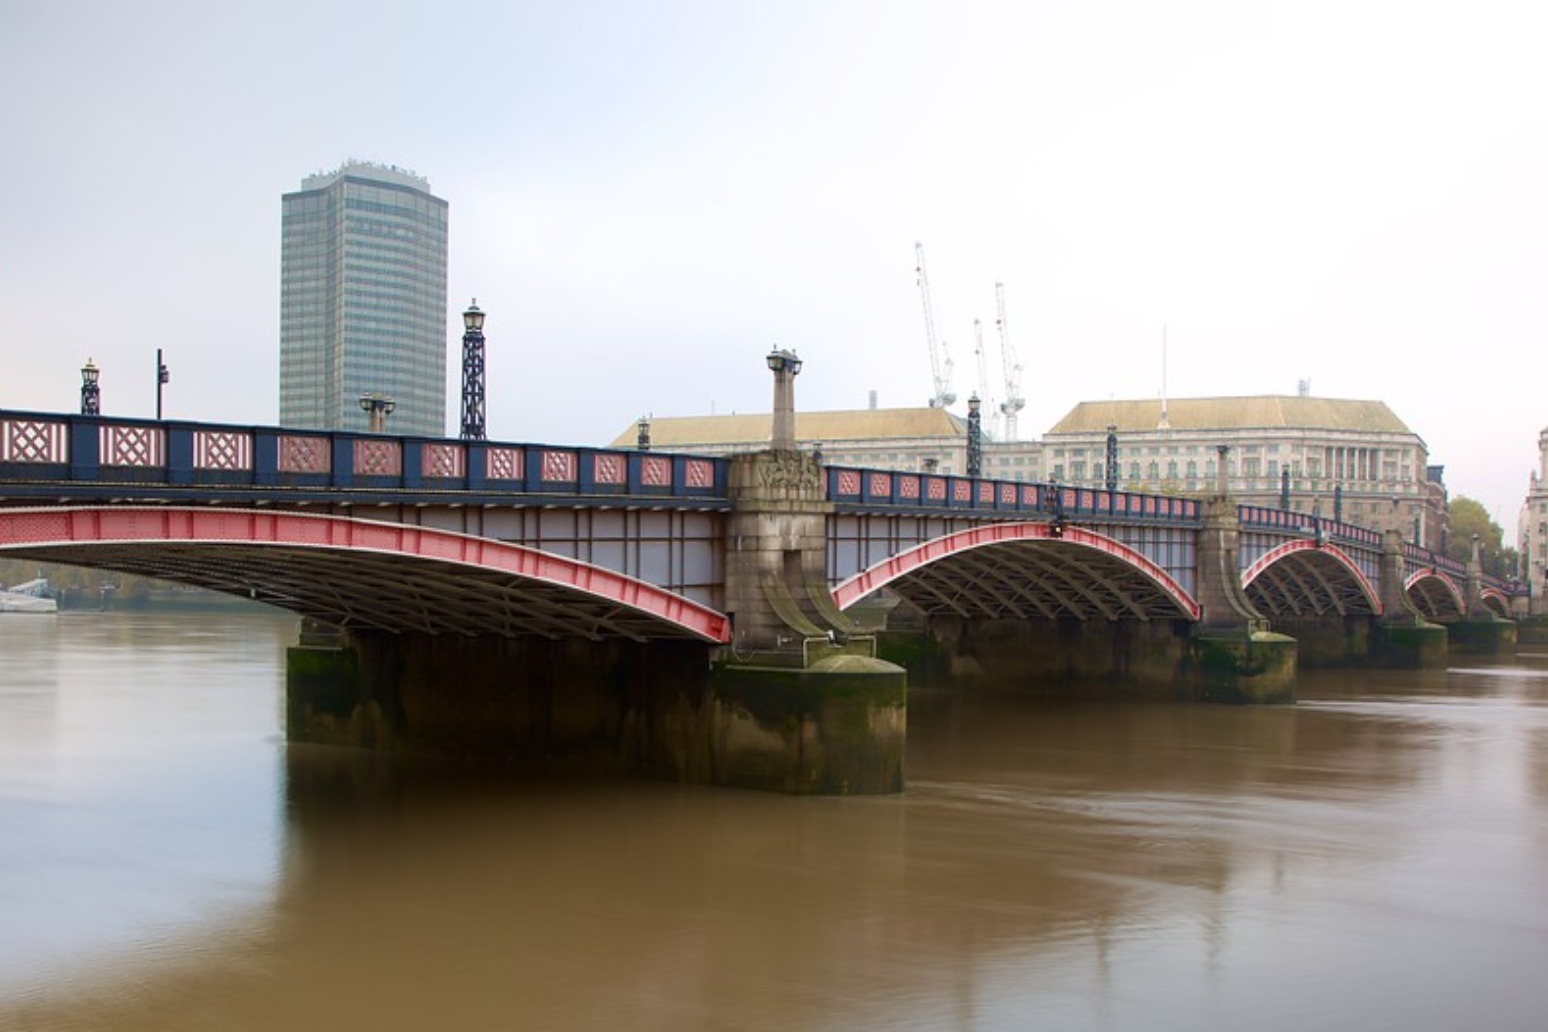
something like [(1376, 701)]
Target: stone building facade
[(1350, 459), (1532, 530)]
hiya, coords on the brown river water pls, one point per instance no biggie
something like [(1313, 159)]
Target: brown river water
[(1375, 857)]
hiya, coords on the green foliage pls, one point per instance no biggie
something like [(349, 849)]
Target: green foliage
[(1469, 517)]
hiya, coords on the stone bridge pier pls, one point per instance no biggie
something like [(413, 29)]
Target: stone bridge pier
[(797, 702), (1402, 637), (1233, 656)]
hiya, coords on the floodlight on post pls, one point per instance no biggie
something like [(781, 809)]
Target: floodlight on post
[(377, 408), (162, 376), (785, 366)]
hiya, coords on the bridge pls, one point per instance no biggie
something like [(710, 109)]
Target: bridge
[(416, 546)]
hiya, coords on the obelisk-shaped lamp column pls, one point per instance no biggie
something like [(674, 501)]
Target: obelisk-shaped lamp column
[(473, 373)]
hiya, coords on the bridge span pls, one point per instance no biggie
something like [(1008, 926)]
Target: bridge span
[(762, 560)]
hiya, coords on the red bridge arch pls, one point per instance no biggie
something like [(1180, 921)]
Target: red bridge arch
[(1304, 578), (363, 574), (1027, 569)]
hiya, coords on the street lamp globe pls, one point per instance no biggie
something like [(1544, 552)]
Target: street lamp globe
[(473, 318)]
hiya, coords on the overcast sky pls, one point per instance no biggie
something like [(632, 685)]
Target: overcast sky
[(646, 196)]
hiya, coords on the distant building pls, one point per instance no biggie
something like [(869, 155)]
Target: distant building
[(363, 301), (1532, 530), (911, 438), (1353, 459)]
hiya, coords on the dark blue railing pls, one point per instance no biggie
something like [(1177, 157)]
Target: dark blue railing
[(941, 493), (42, 452), (1259, 517)]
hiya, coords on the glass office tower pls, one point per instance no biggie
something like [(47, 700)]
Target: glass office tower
[(363, 301)]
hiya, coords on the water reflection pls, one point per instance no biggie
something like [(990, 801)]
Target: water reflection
[(1373, 858)]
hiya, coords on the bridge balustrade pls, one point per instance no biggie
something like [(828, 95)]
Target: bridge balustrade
[(938, 494), (39, 452), (1415, 558)]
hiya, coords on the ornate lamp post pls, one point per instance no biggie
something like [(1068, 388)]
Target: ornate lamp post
[(1112, 456), (975, 437), (91, 394), (1284, 488), (473, 373), (642, 434), (785, 366), (377, 408)]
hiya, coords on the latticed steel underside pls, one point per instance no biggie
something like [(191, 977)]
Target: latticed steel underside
[(1036, 579), (363, 574), (1436, 599), (383, 591), (1308, 584)]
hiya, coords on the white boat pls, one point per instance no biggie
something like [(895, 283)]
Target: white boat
[(12, 602)]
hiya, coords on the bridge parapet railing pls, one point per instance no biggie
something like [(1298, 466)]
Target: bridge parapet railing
[(49, 448), (944, 493), (1418, 558), (1264, 518)]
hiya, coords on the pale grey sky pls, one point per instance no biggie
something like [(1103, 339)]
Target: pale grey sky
[(646, 196)]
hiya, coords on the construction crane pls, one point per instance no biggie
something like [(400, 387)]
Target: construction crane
[(983, 378), (1013, 402), (940, 361)]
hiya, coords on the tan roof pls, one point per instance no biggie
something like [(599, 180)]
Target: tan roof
[(1271, 412), (757, 428)]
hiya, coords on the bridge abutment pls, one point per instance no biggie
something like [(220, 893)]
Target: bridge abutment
[(1234, 656), (1403, 639), (803, 704)]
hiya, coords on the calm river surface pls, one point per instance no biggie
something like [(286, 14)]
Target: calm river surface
[(1375, 857)]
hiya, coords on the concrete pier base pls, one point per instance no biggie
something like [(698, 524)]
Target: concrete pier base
[(1074, 659), (1255, 668), (620, 708), (1409, 646), (837, 727), (1482, 637)]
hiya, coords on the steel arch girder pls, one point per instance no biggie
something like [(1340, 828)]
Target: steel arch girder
[(1436, 595), (1051, 570), (363, 573), (1304, 578)]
